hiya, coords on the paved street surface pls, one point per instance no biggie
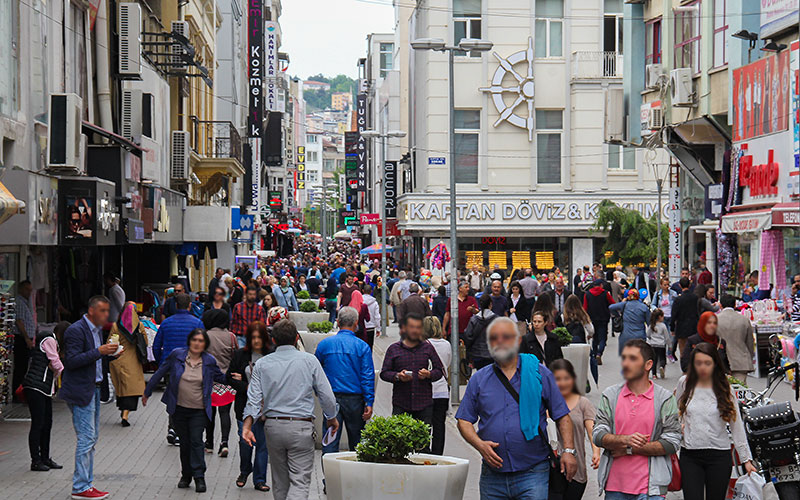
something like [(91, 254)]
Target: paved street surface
[(137, 463)]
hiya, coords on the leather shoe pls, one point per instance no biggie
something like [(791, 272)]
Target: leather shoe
[(50, 463), (39, 467), (184, 482), (200, 484)]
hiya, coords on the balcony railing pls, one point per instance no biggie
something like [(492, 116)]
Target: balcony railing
[(216, 139), (596, 64)]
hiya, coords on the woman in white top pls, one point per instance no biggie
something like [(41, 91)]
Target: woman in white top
[(707, 407), (432, 331), (373, 324)]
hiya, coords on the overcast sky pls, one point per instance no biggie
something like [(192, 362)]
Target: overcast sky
[(328, 36)]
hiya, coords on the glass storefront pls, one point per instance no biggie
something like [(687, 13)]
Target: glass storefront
[(545, 253), (9, 271)]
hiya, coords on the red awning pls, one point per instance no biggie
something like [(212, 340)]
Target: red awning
[(753, 221)]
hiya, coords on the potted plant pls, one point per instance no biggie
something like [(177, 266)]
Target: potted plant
[(577, 354), (309, 313), (387, 465), (303, 295)]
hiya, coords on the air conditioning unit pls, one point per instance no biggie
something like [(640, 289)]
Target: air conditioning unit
[(132, 115), (129, 20), (179, 158), (653, 73), (64, 139), (655, 121), (614, 125), (680, 82), (177, 61)]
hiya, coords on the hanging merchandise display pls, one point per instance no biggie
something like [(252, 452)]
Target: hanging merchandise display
[(727, 256), (439, 255), (772, 258), (7, 317)]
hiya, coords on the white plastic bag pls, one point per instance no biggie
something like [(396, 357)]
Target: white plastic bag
[(749, 487)]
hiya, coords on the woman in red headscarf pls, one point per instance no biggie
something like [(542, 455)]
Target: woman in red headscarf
[(706, 332)]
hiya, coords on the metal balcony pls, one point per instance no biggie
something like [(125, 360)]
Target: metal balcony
[(591, 65), (216, 139)]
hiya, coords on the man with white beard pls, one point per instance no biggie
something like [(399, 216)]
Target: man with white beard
[(510, 398)]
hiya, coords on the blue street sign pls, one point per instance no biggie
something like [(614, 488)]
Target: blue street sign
[(436, 160)]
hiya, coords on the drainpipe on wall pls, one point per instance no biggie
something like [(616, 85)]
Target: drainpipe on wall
[(103, 77)]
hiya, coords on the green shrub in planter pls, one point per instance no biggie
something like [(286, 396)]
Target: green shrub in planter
[(303, 294), (564, 337), (392, 439), (309, 306), (320, 327)]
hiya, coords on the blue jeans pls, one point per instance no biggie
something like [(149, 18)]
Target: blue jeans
[(86, 420), (616, 495), (351, 408), (246, 463), (330, 305), (531, 484)]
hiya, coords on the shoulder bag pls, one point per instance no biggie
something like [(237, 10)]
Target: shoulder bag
[(617, 322), (557, 484)]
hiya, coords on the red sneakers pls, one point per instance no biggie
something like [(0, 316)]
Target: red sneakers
[(91, 493)]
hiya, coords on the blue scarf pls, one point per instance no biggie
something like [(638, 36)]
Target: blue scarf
[(530, 395)]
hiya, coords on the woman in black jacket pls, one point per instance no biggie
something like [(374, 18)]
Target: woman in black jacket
[(520, 307), (256, 347), (539, 341)]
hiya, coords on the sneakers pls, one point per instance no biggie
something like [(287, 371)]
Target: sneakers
[(172, 438), (661, 372), (599, 360), (209, 447), (184, 482), (50, 463), (223, 450), (39, 467), (91, 493), (200, 485)]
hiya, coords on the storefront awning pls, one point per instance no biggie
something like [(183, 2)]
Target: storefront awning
[(9, 205), (752, 221)]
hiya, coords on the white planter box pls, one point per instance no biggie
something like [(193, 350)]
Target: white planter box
[(578, 355), (302, 319), (348, 479)]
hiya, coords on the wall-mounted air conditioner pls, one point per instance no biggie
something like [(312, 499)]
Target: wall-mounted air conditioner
[(179, 156), (680, 82), (178, 63), (64, 139), (129, 21), (132, 115), (614, 124), (655, 121), (652, 74)]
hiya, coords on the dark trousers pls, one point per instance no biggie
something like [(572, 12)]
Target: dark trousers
[(225, 422), (351, 411), (574, 491), (189, 424), (661, 358), (21, 355), (705, 474), (369, 333), (440, 407), (105, 392), (600, 337), (41, 408), (425, 414)]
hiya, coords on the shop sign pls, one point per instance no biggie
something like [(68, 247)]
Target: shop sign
[(361, 151), (674, 249), (794, 92), (255, 41), (300, 175), (747, 222), (436, 160), (786, 218), (271, 66), (760, 97), (493, 240), (761, 179), (713, 202), (777, 15), (134, 230), (391, 228), (390, 189), (370, 219)]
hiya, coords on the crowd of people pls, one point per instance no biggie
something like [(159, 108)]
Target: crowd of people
[(240, 351)]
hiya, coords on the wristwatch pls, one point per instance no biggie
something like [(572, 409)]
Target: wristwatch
[(570, 450), (628, 450)]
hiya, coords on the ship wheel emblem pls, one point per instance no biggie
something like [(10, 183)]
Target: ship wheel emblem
[(522, 88)]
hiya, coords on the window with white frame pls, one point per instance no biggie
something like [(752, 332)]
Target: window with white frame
[(720, 33), (311, 176), (466, 23), (75, 72), (312, 156), (386, 58), (9, 57), (612, 26), (311, 138), (549, 28), (614, 155), (328, 164), (687, 37), (549, 127), (467, 133)]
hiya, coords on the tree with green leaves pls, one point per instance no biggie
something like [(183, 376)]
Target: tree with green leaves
[(630, 237)]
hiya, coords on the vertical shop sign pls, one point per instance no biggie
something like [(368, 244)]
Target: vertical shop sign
[(255, 115), (390, 189), (361, 158), (271, 65), (674, 250), (301, 168)]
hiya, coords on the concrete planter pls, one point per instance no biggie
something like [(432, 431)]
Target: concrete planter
[(578, 355), (348, 479), (302, 319)]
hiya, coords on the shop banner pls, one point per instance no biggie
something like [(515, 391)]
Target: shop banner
[(390, 189), (777, 15), (255, 42), (361, 149), (674, 250), (271, 65), (761, 97), (794, 92), (747, 222)]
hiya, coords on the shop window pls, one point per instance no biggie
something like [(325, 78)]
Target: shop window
[(466, 23), (720, 33), (549, 125), (549, 28), (465, 157), (9, 57), (652, 54), (687, 37)]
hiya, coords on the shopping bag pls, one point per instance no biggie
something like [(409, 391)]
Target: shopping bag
[(769, 492), (749, 487), (675, 483)]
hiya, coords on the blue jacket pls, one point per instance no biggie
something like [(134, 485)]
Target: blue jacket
[(174, 365), (635, 318), (173, 333), (80, 369), (347, 361), (287, 300)]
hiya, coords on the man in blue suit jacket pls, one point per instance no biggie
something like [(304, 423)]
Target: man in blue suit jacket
[(80, 388)]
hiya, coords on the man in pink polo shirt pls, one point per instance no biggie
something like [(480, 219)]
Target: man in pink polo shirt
[(637, 425)]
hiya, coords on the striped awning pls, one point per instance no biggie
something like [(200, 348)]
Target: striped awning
[(9, 205)]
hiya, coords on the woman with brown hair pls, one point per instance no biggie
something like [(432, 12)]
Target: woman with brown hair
[(127, 373), (577, 321), (707, 407)]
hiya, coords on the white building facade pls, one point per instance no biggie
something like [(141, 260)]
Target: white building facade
[(530, 158)]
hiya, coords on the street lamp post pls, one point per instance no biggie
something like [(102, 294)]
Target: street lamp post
[(465, 45), (384, 268)]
